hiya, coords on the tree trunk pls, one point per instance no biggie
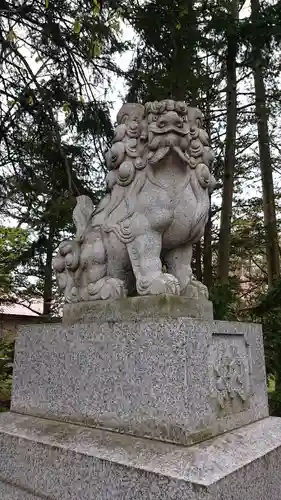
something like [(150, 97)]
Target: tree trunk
[(207, 255), (183, 57), (272, 247), (230, 143), (48, 282), (207, 248), (198, 261)]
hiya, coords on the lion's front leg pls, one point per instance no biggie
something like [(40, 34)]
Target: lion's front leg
[(178, 261), (144, 252)]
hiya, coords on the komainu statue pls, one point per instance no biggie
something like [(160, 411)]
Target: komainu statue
[(139, 239)]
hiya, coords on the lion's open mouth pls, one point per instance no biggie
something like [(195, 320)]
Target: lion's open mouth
[(154, 158), (170, 139), (169, 128)]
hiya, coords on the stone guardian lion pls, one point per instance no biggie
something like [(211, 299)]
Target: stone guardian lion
[(156, 208)]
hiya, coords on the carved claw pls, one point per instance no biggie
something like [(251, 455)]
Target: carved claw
[(196, 290), (107, 288), (72, 295), (161, 285)]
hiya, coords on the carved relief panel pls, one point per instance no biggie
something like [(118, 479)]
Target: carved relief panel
[(229, 370)]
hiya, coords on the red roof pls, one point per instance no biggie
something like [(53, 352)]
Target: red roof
[(36, 308)]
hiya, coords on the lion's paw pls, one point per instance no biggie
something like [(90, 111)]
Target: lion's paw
[(107, 288), (161, 285), (196, 290)]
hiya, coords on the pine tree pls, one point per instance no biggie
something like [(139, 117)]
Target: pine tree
[(231, 41), (56, 59), (272, 246)]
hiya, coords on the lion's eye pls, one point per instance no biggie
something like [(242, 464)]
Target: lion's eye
[(154, 118)]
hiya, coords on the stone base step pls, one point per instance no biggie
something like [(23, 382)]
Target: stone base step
[(46, 459)]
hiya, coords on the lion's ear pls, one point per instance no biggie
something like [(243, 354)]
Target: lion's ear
[(130, 111), (195, 116)]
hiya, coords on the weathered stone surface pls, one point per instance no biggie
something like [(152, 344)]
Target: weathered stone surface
[(137, 309), (156, 207), (9, 492), (178, 380), (59, 461)]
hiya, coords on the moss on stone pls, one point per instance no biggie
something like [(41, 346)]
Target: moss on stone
[(137, 309)]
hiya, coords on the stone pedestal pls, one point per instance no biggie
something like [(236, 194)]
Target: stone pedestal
[(163, 407)]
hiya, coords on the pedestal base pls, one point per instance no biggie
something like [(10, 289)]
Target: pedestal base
[(44, 459), (173, 379), (137, 309)]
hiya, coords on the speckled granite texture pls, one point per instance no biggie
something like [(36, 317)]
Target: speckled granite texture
[(178, 380), (58, 461), (9, 492), (137, 309)]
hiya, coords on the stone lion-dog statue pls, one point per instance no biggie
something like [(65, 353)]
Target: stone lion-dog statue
[(138, 240)]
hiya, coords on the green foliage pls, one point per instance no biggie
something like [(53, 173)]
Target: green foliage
[(6, 359), (268, 311), (56, 61), (52, 61), (225, 300), (14, 243), (167, 62)]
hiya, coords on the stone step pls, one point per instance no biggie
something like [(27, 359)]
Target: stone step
[(52, 460)]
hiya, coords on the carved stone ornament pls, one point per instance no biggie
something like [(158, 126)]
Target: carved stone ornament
[(156, 207), (231, 378)]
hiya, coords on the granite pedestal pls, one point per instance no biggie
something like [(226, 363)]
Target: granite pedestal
[(166, 407)]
